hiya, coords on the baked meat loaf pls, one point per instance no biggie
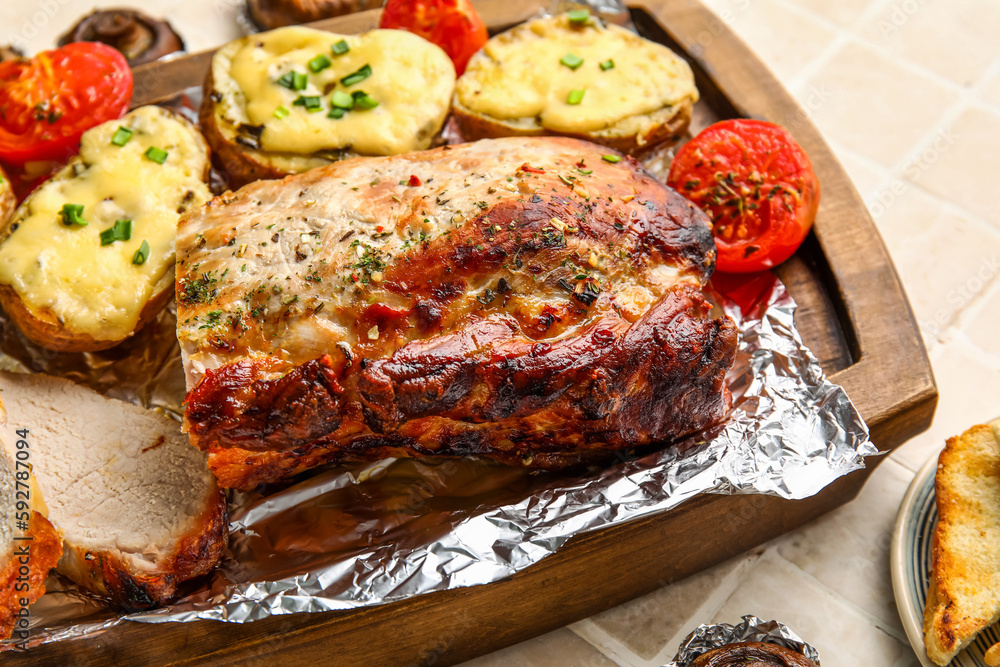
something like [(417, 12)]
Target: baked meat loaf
[(537, 301)]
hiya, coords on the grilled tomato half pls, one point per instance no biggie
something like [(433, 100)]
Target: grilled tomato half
[(454, 25), (757, 185), (48, 101)]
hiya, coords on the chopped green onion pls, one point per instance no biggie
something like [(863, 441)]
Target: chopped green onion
[(281, 112), (120, 231), (571, 61), (294, 81), (357, 77), (157, 155), (121, 136), (123, 230), (575, 96), (611, 158), (342, 100), (578, 15), (142, 254), (607, 64), (71, 215), (363, 101), (336, 112), (312, 103), (340, 48), (319, 63)]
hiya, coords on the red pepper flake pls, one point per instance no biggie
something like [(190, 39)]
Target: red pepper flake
[(379, 229), (415, 181), (581, 164), (531, 170), (354, 277)]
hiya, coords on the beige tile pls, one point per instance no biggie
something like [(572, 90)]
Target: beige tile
[(844, 636), (645, 625), (956, 39), (560, 647), (968, 387), (844, 12), (874, 106), (983, 328), (786, 40), (990, 92), (944, 258), (867, 176), (962, 164), (848, 549)]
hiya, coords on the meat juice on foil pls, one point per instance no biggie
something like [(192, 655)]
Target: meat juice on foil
[(362, 534)]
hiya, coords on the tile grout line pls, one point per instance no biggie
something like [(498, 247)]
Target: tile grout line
[(606, 644), (870, 618), (712, 604), (884, 50)]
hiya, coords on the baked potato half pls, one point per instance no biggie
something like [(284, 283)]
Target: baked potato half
[(292, 99), (585, 79), (88, 258)]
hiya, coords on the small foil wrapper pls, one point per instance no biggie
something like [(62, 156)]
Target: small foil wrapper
[(752, 629), (350, 536)]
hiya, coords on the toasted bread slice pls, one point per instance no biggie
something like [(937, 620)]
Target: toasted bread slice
[(62, 286), (636, 94), (138, 509), (256, 120), (964, 595)]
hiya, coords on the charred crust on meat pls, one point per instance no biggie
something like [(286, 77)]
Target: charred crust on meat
[(536, 276)]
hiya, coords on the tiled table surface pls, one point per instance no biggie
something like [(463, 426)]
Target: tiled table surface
[(908, 94)]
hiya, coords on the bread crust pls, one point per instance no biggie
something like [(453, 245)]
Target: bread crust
[(962, 598), (43, 328)]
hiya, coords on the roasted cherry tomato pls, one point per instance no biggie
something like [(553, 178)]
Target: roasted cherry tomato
[(757, 185), (48, 101), (453, 25)]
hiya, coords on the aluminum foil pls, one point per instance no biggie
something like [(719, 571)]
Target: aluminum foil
[(367, 534), (752, 629)]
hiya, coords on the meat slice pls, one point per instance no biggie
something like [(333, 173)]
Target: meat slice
[(535, 300), (137, 506), (29, 545)]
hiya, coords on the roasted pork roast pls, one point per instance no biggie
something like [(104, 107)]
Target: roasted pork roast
[(534, 300)]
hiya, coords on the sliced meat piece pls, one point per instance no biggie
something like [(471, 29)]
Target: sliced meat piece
[(29, 546), (136, 504), (534, 300)]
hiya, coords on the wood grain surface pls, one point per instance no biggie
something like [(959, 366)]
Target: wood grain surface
[(852, 313)]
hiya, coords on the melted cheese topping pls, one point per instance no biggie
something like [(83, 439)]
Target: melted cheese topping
[(412, 80), (95, 289), (518, 75)]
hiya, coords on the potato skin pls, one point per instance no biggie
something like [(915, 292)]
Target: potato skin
[(241, 164), (8, 202), (41, 328), (44, 329), (474, 126)]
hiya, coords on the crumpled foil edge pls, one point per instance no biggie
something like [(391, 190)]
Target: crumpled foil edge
[(791, 433), (707, 637)]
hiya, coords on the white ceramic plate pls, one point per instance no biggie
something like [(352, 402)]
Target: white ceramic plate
[(911, 563)]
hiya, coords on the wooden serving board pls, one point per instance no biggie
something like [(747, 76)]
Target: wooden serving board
[(853, 314)]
